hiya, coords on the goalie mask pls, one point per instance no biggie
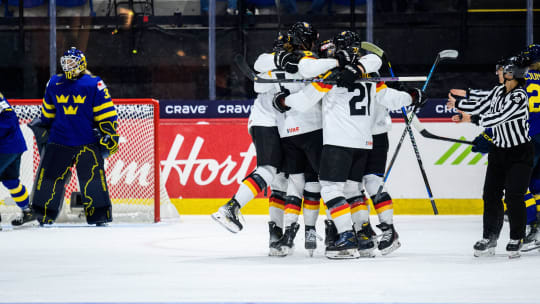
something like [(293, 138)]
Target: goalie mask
[(302, 36), (73, 63)]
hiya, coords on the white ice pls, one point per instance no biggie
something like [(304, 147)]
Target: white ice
[(197, 260)]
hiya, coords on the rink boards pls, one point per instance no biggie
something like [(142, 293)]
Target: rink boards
[(204, 160)]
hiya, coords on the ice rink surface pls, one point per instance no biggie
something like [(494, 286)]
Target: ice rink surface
[(196, 260)]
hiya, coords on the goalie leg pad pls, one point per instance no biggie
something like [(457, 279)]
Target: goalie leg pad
[(53, 173), (93, 184)]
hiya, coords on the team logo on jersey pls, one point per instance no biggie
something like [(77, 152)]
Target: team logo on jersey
[(62, 99), (101, 85), (69, 110), (517, 98), (79, 99)]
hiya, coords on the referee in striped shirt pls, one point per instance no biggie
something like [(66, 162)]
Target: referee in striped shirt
[(505, 110)]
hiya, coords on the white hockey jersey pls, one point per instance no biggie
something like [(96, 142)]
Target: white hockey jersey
[(348, 117), (382, 122)]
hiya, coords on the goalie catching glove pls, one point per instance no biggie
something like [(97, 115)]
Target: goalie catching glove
[(279, 101), (108, 138)]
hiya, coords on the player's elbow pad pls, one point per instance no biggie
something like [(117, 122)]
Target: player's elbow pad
[(109, 137), (371, 63)]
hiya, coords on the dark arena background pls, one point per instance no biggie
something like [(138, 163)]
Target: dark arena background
[(184, 150)]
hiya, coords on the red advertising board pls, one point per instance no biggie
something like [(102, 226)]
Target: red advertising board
[(205, 158)]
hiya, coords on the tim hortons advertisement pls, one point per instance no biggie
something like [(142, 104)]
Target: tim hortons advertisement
[(208, 159)]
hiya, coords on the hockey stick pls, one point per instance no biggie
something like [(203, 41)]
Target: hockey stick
[(420, 128), (249, 73), (442, 55), (379, 52)]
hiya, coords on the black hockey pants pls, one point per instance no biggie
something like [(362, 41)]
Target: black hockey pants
[(508, 174)]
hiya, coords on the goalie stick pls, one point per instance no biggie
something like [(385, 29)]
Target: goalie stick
[(249, 73), (424, 132), (379, 52)]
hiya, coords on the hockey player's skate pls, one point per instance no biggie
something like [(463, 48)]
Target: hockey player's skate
[(530, 240), (330, 232), (513, 248), (310, 239), (485, 247), (227, 216), (27, 216), (390, 239), (366, 245), (285, 245), (276, 233), (345, 247)]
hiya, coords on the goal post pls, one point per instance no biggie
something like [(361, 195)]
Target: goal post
[(133, 173)]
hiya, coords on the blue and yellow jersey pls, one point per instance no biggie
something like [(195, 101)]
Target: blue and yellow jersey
[(533, 90), (74, 108), (11, 137)]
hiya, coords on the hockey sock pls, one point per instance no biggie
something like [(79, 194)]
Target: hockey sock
[(359, 211), (18, 192), (254, 183), (341, 213), (293, 205), (384, 208), (530, 205), (277, 207), (310, 207)]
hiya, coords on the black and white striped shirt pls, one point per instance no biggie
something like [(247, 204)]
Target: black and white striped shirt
[(506, 113)]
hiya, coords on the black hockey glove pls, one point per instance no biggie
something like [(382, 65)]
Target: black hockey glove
[(287, 61), (419, 97), (347, 76), (345, 58), (483, 142), (108, 138), (279, 101)]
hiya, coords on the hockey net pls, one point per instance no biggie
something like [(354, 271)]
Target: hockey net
[(133, 177)]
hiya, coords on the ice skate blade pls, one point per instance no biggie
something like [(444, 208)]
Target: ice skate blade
[(226, 223), (513, 254), (391, 249), (276, 252), (530, 247), (342, 254), (367, 253), (484, 253)]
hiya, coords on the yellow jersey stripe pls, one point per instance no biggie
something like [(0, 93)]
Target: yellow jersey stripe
[(103, 106), (105, 115), (48, 106), (47, 114), (16, 190)]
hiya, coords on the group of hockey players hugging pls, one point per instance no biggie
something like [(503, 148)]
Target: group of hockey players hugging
[(319, 140), (77, 126)]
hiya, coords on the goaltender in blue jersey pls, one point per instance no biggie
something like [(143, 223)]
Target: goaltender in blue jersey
[(80, 114)]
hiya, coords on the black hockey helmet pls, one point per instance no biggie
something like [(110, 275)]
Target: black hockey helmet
[(516, 67), (346, 40), (302, 36), (531, 54)]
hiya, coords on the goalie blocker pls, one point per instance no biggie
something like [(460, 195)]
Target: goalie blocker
[(50, 182)]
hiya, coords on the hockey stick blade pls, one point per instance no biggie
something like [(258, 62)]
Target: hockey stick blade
[(420, 128), (370, 47), (448, 54)]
